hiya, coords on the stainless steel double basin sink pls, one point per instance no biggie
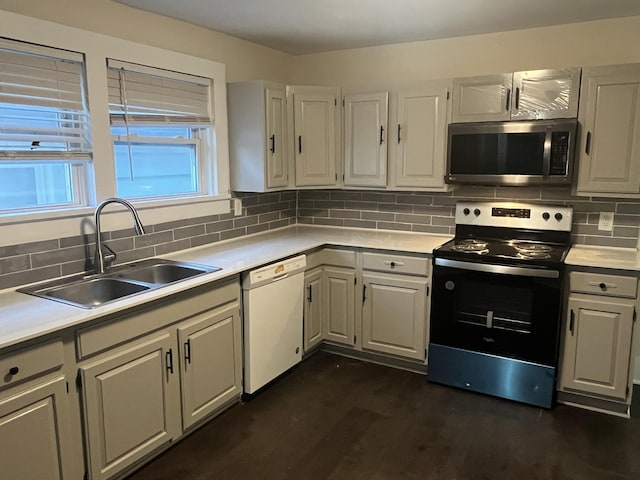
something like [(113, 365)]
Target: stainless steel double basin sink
[(118, 282)]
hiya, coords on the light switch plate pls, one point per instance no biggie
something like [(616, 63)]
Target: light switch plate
[(605, 223)]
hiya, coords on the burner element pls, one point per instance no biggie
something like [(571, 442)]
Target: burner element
[(471, 245), (531, 248)]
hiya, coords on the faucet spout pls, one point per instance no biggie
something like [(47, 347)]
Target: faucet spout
[(100, 262)]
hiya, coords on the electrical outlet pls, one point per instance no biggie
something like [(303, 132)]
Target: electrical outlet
[(605, 223), (237, 207)]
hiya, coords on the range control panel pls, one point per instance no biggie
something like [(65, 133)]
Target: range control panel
[(515, 215)]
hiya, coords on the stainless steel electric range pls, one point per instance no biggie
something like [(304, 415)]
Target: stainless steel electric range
[(496, 301)]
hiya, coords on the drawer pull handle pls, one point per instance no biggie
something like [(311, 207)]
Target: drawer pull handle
[(13, 371), (602, 285), (393, 264)]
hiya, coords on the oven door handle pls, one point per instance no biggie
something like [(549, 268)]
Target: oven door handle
[(501, 269)]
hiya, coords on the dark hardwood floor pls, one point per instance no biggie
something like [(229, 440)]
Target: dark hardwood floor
[(338, 418)]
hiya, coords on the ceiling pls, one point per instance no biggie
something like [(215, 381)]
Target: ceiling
[(308, 26)]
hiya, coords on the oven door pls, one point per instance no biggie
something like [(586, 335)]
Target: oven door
[(500, 310)]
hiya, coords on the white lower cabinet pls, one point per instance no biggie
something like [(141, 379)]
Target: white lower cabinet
[(143, 394), (394, 314), (339, 305), (596, 362), (131, 404), (35, 432), (372, 301), (210, 375), (597, 346), (313, 308)]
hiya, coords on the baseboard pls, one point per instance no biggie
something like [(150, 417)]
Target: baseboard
[(379, 358)]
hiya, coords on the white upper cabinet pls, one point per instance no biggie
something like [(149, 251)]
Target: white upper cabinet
[(527, 95), (276, 154), (609, 149), (258, 149), (481, 99), (314, 135), (365, 139), (542, 94), (417, 138)]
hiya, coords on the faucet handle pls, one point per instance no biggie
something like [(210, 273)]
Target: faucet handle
[(110, 257)]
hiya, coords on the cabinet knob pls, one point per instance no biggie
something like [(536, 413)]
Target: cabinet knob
[(546, 215), (466, 211), (13, 371), (603, 286), (476, 212), (558, 216), (393, 264)]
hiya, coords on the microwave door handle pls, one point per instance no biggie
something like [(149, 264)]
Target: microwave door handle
[(546, 154)]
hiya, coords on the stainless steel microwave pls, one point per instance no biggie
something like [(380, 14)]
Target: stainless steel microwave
[(511, 153)]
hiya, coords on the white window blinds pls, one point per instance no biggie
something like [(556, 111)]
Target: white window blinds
[(146, 96), (43, 108)]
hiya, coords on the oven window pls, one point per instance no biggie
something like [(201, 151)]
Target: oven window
[(500, 307), (506, 315), (497, 154)]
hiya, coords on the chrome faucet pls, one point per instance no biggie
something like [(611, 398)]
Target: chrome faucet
[(100, 262)]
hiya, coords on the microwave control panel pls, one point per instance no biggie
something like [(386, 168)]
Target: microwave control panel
[(559, 153)]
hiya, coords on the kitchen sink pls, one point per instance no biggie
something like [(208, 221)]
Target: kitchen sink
[(163, 273), (118, 282), (94, 292)]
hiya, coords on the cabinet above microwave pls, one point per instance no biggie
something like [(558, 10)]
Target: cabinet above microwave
[(527, 95)]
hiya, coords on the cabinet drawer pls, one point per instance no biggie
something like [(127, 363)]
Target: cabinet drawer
[(339, 258), (30, 361), (390, 262), (611, 285)]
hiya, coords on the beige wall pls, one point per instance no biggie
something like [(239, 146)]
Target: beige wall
[(580, 44), (244, 60)]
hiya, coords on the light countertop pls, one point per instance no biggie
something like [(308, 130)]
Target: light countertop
[(24, 317), (604, 257)]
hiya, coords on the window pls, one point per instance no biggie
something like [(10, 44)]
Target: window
[(45, 146), (160, 126)]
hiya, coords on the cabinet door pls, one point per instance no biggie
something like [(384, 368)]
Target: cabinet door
[(419, 137), (314, 139), (313, 309), (540, 94), (481, 99), (598, 346), (394, 315), (276, 148), (365, 139), (210, 362), (339, 305), (34, 428), (609, 153), (131, 404)]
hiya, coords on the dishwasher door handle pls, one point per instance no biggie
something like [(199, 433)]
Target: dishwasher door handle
[(280, 277)]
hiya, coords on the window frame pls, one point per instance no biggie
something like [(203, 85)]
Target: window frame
[(97, 48)]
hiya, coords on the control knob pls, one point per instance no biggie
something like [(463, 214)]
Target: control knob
[(466, 211), (546, 215), (558, 216), (476, 212)]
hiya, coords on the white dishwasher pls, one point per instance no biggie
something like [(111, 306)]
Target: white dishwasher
[(273, 306)]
